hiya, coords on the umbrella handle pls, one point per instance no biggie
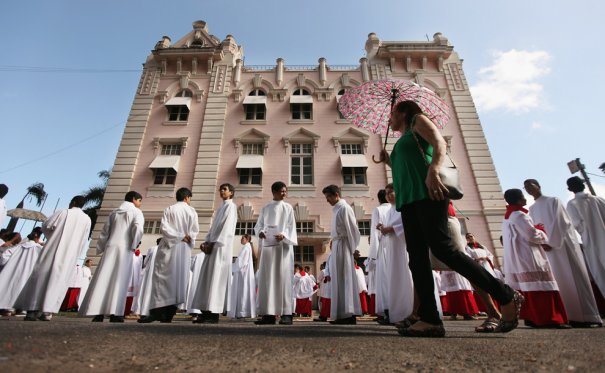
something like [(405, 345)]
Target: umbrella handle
[(376, 161)]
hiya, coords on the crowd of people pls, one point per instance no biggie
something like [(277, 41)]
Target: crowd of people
[(419, 267)]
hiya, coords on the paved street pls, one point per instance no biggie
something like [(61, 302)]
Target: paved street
[(74, 345)]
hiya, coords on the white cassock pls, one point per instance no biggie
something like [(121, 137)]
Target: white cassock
[(438, 292), (173, 256), (325, 290), (215, 274), (196, 267), (341, 267), (526, 266), (67, 232), (566, 260), (141, 306), (361, 280), (379, 276), (135, 280), (587, 213), (400, 296), (86, 276), (117, 242), (274, 276), (243, 287), (16, 271), (3, 212)]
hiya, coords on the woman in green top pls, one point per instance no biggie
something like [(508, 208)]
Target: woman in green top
[(422, 200)]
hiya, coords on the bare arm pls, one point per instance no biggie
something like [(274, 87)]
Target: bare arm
[(429, 132)]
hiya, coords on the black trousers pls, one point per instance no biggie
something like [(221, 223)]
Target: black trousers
[(425, 226)]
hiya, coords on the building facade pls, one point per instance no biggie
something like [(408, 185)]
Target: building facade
[(201, 117)]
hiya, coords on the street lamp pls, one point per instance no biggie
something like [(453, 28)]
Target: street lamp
[(575, 166)]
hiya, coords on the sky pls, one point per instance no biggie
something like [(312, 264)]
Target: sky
[(69, 71)]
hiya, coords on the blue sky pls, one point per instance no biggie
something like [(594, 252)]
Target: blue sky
[(534, 68)]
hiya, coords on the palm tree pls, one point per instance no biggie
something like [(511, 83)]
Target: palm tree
[(602, 167), (35, 191), (94, 197)]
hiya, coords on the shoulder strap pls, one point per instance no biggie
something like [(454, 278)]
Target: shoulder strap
[(420, 147)]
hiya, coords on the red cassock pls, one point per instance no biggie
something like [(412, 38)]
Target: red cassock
[(363, 299), (461, 302), (303, 306), (325, 307), (70, 301), (543, 308)]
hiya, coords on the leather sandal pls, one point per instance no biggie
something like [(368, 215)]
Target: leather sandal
[(505, 326), (488, 326), (432, 331)]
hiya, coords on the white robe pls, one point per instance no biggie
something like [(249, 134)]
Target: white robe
[(325, 290), (67, 232), (173, 256), (215, 274), (135, 278), (16, 271), (377, 269), (3, 212), (526, 266), (196, 267), (117, 242), (587, 213), (478, 253), (243, 288), (303, 287), (141, 306), (566, 260), (84, 283), (400, 286), (341, 267), (274, 276)]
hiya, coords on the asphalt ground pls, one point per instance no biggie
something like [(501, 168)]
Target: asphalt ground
[(69, 344)]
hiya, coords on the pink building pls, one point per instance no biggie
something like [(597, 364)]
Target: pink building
[(200, 117)]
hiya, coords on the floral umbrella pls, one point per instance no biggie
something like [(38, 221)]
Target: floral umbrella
[(369, 105)]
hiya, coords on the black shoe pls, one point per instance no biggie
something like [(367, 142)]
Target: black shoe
[(212, 318), (113, 318), (200, 319), (384, 321), (266, 320), (433, 331), (585, 324), (345, 321), (285, 320), (98, 318), (146, 319), (321, 319)]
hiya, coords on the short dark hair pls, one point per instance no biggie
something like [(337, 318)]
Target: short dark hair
[(332, 190), (3, 190), (532, 181), (576, 184), (230, 187), (277, 186), (132, 195), (297, 266), (36, 233), (382, 196), (77, 201), (183, 193), (410, 108), (512, 196), (157, 242)]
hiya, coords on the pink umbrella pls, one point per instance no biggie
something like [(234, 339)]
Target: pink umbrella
[(369, 105)]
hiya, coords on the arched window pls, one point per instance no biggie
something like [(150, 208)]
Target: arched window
[(255, 105), (301, 104), (184, 93)]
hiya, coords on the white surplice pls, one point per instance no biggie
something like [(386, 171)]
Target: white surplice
[(23, 258), (67, 232), (361, 280), (274, 276), (526, 266), (378, 269), (134, 289), (325, 290), (341, 266), (86, 276), (400, 286), (117, 242), (173, 256), (482, 256), (215, 274), (243, 287), (196, 268), (587, 213), (141, 306), (566, 260)]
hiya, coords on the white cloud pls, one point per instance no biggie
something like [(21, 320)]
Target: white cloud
[(512, 81)]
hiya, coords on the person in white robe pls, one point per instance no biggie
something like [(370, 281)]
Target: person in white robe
[(243, 287), (23, 258), (587, 213), (526, 267), (179, 228), (141, 306), (215, 274), (324, 293), (134, 287), (86, 276), (363, 289), (303, 288), (565, 258), (400, 286), (196, 268), (67, 232), (341, 275), (377, 265), (3, 210), (276, 230), (117, 241)]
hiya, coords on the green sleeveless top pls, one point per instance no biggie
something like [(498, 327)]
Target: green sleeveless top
[(409, 169)]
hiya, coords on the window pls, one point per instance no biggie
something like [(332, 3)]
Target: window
[(178, 113), (250, 175), (364, 227), (301, 111), (354, 175), (151, 227), (253, 149), (302, 164), (171, 149), (304, 254), (304, 227), (255, 105), (351, 149), (164, 176), (301, 92), (301, 104), (184, 93), (197, 44), (244, 227)]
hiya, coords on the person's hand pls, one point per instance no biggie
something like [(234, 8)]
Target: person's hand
[(262, 235), (279, 237), (327, 279), (186, 239), (437, 191), (546, 247), (385, 157), (379, 226)]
